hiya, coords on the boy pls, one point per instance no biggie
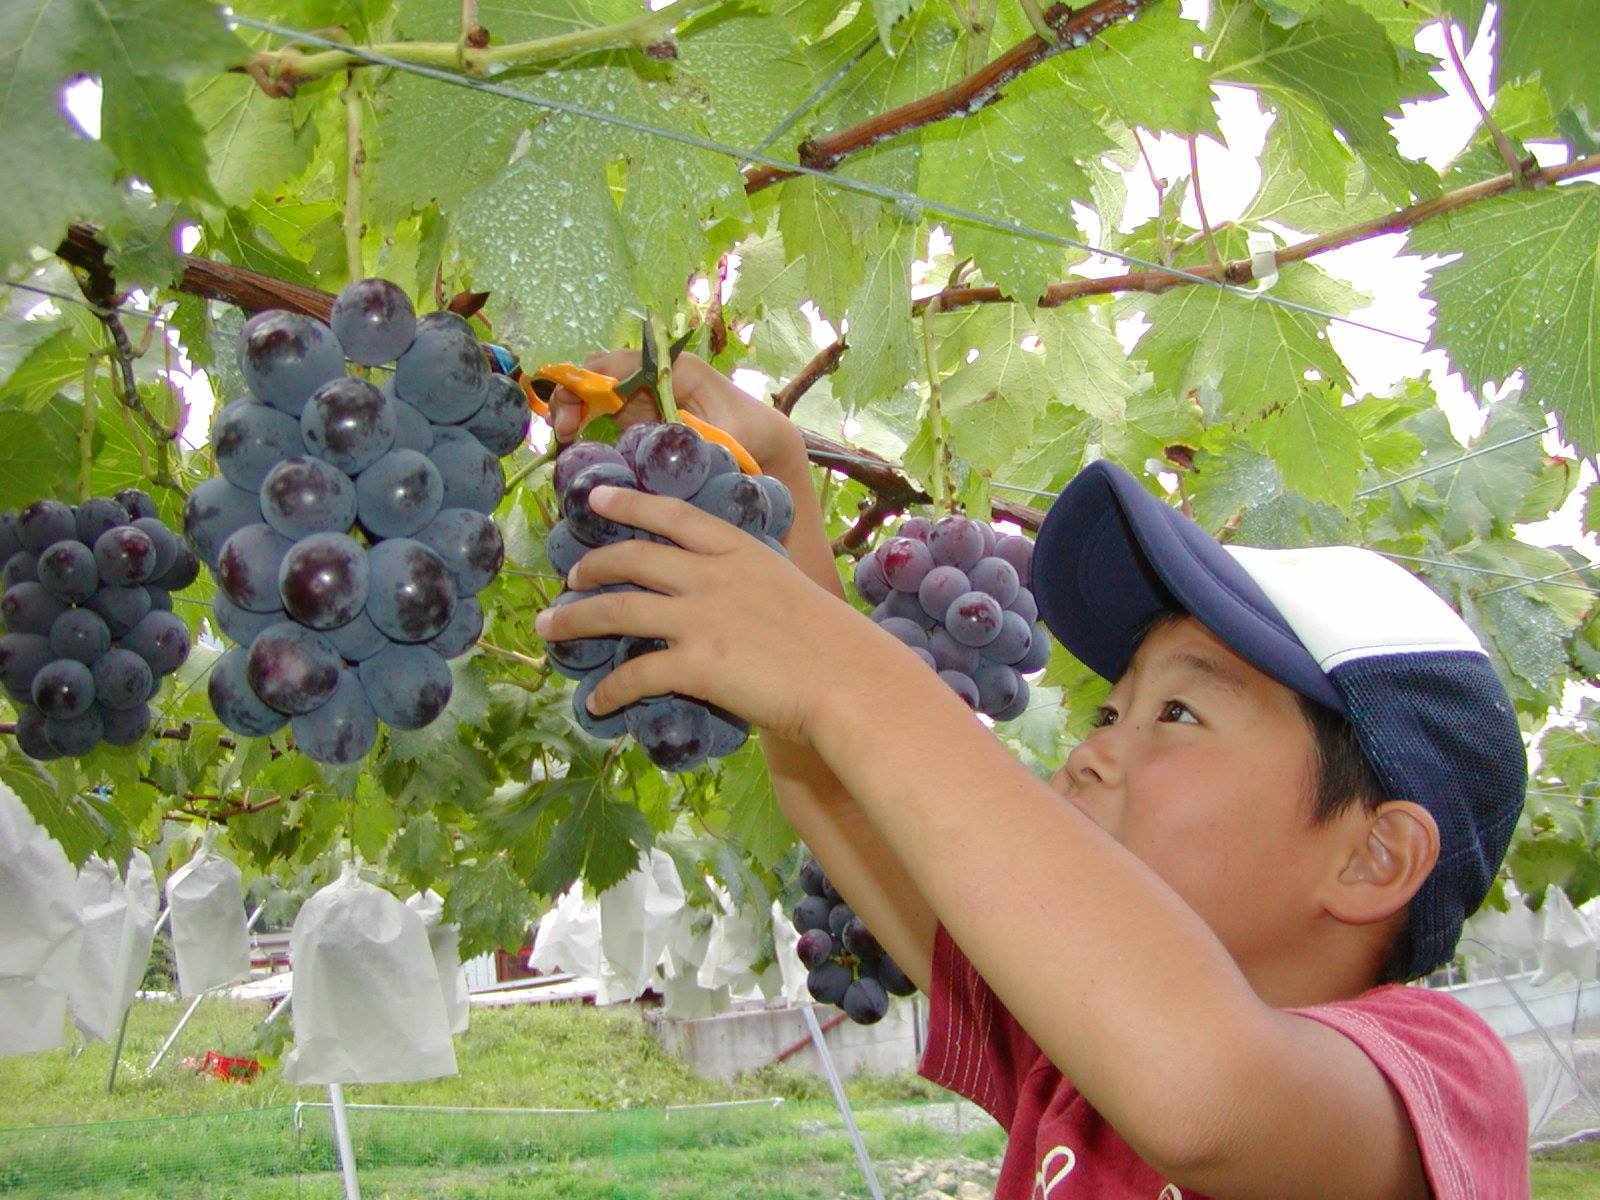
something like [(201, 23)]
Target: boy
[(1304, 778)]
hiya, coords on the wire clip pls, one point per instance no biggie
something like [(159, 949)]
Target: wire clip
[(1263, 258)]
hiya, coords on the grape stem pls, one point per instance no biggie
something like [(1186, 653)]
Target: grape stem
[(355, 157), (91, 401), (661, 343), (515, 656), (943, 495)]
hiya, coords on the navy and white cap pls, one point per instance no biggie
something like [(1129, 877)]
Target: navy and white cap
[(1341, 625)]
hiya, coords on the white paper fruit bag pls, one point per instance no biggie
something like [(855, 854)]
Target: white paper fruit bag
[(445, 940), (40, 933), (206, 898)]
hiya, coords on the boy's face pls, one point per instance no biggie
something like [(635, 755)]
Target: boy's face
[(1202, 766)]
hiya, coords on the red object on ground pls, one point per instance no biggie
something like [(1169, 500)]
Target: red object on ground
[(240, 1069)]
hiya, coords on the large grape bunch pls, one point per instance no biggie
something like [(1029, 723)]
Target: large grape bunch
[(844, 964), (349, 529), (677, 732), (960, 595), (90, 632)]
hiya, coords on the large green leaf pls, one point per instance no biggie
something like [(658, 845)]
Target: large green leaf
[(1524, 295), (1112, 74), (1557, 40)]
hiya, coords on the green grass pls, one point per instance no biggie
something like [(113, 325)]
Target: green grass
[(1571, 1173)]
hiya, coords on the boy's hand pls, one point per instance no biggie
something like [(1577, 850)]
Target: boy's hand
[(745, 628), (702, 390)]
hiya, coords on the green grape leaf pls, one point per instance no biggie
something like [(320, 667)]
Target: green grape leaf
[(1087, 364), (884, 350), (1524, 295), (69, 818), (1557, 40), (253, 141), (888, 13), (489, 903), (1290, 196), (754, 820), (1318, 450), (1112, 74), (599, 839), (819, 237), (33, 463)]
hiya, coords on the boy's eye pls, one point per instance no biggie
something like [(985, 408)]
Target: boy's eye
[(1177, 710), (1103, 716)]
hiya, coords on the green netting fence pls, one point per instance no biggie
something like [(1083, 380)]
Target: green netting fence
[(773, 1150)]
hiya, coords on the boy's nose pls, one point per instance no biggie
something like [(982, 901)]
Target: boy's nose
[(1092, 761)]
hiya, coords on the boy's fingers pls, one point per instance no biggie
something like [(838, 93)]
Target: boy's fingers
[(655, 674), (651, 565), (637, 614), (566, 414), (694, 530)]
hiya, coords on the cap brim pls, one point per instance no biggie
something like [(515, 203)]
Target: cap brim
[(1110, 556)]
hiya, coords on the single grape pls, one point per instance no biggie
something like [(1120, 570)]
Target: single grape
[(962, 686), (399, 494), (463, 631), (997, 686), (249, 439), (137, 503), (373, 320), (858, 940), (675, 732), (348, 424), (1017, 707), (31, 737), (413, 431), (562, 549), (77, 735), (588, 526), (940, 589), (21, 567), (904, 631), (125, 556), (580, 654), (671, 460), (925, 658), (161, 639), (865, 1001), (989, 537), (737, 499), (45, 522), (240, 625), (124, 726), (234, 701), (359, 639), (121, 607), (63, 688), (473, 477), (779, 501), (951, 655), (407, 686), (996, 577), (446, 321), (291, 668), (68, 572), (814, 948), (1018, 551), (840, 915), (160, 598), (812, 913), (248, 566), (410, 596), (728, 731), (869, 580), (94, 517), (442, 374), (894, 980), (628, 441), (322, 580), (612, 725), (339, 731), (1024, 605), (812, 877), (79, 633), (1012, 644), (122, 679), (28, 608), (905, 563), (579, 456), (906, 606), (213, 513), (829, 983), (165, 541), (301, 496), (919, 528), (21, 656), (10, 543), (285, 357), (502, 424), (956, 541), (1038, 653)]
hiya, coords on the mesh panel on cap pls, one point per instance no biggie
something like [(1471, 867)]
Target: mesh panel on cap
[(1439, 729)]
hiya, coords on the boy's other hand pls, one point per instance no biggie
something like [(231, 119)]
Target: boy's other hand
[(746, 629), (701, 389)]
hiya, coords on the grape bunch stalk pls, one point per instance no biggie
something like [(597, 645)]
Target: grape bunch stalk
[(349, 529), (845, 965), (678, 733), (960, 595), (90, 632)]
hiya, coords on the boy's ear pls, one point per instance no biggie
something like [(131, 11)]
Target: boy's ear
[(1389, 854)]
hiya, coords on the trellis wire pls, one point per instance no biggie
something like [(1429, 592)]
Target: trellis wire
[(812, 100), (843, 182), (98, 309)]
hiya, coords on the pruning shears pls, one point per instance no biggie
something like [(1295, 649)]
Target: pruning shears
[(602, 394)]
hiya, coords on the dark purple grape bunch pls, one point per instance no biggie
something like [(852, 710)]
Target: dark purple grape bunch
[(90, 632), (844, 964), (349, 530), (960, 595), (678, 733)]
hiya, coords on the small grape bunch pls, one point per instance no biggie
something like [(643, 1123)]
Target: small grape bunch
[(90, 632), (844, 964), (678, 733), (349, 529), (960, 595)]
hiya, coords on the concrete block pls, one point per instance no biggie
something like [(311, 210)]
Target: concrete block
[(732, 1043)]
